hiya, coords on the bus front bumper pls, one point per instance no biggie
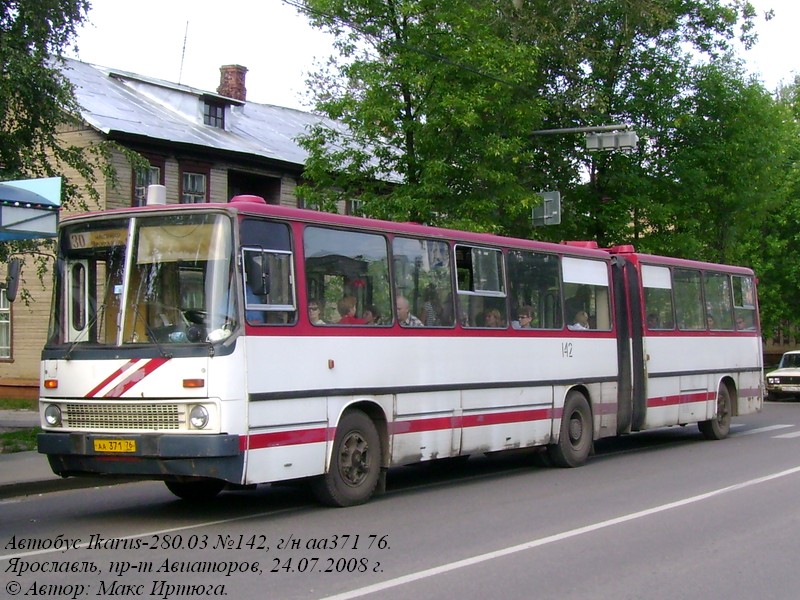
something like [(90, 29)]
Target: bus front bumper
[(149, 456)]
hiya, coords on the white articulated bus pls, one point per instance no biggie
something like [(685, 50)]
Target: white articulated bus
[(235, 344)]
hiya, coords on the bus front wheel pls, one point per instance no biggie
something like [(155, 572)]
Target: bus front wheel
[(355, 463), (576, 434), (718, 427)]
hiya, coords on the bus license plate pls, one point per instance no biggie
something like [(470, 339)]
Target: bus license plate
[(115, 445)]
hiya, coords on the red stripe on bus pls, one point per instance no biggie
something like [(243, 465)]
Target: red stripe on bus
[(520, 416), (112, 377), (421, 425), (323, 434), (661, 401), (284, 438), (135, 377)]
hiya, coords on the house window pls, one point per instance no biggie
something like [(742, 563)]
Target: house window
[(5, 326), (145, 177), (214, 115), (194, 188)]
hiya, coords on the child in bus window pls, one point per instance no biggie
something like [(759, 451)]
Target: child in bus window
[(371, 316), (347, 311), (581, 321)]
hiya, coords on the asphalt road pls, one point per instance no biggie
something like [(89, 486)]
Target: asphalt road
[(663, 514)]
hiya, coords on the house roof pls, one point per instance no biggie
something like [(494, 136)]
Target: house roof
[(118, 102)]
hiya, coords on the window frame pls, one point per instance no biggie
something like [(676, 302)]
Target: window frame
[(214, 114), (6, 322), (194, 169), (139, 198)]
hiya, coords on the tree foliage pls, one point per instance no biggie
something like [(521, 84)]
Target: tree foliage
[(778, 244), (443, 99), (438, 105), (37, 102)]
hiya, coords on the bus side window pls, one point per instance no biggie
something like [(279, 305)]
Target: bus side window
[(481, 287), (587, 303), (688, 299), (657, 285), (268, 273), (534, 284), (422, 275), (347, 274), (719, 304), (744, 303)]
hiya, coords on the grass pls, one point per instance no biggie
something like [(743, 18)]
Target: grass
[(19, 440), (18, 404)]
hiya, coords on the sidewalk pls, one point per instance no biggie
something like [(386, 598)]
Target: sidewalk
[(26, 473)]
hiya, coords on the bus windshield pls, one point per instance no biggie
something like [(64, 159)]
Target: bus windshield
[(161, 279)]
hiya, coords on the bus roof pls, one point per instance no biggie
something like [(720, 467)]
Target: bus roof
[(668, 261), (255, 205)]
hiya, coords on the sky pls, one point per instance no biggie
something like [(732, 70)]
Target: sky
[(187, 41)]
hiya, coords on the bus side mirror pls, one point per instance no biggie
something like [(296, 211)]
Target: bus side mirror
[(257, 272), (12, 278)]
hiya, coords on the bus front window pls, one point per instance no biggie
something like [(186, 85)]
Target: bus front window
[(155, 279)]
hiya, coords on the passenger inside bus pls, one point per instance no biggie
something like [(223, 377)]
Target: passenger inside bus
[(371, 315), (314, 312), (432, 309), (347, 312), (493, 318), (524, 318), (581, 321), (404, 315)]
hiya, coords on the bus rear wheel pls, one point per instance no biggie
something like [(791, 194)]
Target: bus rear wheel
[(718, 427), (355, 463), (197, 490), (576, 434)]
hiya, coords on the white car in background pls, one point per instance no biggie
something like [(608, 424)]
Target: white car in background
[(784, 382)]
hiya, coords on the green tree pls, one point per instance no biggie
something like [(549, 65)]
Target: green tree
[(779, 243), (37, 101), (612, 61), (441, 98), (437, 103)]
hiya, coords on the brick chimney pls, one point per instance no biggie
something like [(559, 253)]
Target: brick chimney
[(231, 82)]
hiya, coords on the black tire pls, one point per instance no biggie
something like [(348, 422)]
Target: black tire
[(719, 427), (195, 490), (355, 463), (576, 434)]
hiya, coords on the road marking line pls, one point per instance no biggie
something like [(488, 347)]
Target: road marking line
[(786, 436), (460, 564), (760, 430)]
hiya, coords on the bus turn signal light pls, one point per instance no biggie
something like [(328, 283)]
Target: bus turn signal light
[(194, 383), (50, 384)]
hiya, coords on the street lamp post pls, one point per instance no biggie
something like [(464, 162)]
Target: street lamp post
[(621, 138), (601, 137)]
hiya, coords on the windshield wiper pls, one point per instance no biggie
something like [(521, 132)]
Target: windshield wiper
[(150, 333), (101, 309)]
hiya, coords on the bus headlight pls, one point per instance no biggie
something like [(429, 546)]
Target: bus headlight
[(198, 417), (52, 415)]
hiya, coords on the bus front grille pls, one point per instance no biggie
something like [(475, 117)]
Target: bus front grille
[(123, 416)]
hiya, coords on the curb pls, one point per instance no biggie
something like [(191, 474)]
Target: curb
[(33, 488)]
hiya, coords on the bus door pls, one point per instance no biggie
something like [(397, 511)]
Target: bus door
[(632, 400)]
